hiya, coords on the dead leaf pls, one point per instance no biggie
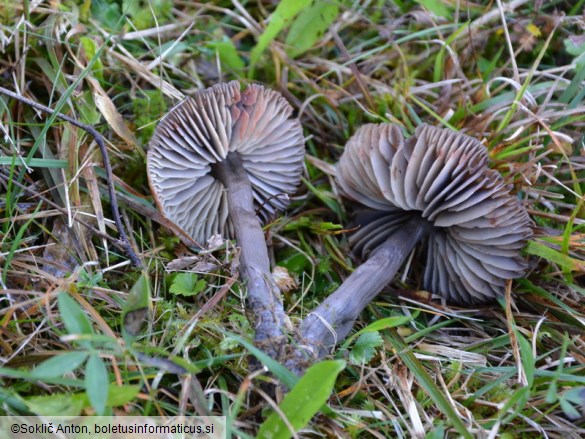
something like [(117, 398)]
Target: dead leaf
[(283, 279), (112, 116)]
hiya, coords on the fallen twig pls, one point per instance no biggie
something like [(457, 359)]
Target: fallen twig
[(124, 242)]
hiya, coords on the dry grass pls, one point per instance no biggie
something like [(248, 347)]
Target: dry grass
[(511, 75)]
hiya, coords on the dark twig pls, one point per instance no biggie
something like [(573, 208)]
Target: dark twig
[(55, 206), (124, 242), (354, 69)]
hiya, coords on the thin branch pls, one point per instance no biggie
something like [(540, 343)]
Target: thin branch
[(354, 69), (124, 242), (62, 210)]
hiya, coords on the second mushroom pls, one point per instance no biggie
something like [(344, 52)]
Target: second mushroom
[(433, 187), (215, 160)]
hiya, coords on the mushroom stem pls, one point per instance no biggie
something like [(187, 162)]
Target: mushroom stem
[(263, 294), (331, 321)]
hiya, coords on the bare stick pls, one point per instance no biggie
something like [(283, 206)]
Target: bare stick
[(63, 211), (125, 243), (331, 321), (263, 294)]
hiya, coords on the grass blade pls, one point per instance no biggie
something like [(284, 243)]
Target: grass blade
[(303, 401), (427, 383)]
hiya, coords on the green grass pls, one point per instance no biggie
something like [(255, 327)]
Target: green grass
[(509, 369)]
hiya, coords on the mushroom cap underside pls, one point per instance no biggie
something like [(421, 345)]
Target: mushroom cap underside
[(439, 176), (200, 132)]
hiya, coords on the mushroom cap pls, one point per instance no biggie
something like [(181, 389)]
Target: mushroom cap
[(200, 132), (441, 176)]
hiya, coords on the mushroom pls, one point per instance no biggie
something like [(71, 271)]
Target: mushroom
[(215, 160), (436, 187)]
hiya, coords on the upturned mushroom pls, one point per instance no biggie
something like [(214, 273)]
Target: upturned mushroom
[(433, 187), (215, 160)]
